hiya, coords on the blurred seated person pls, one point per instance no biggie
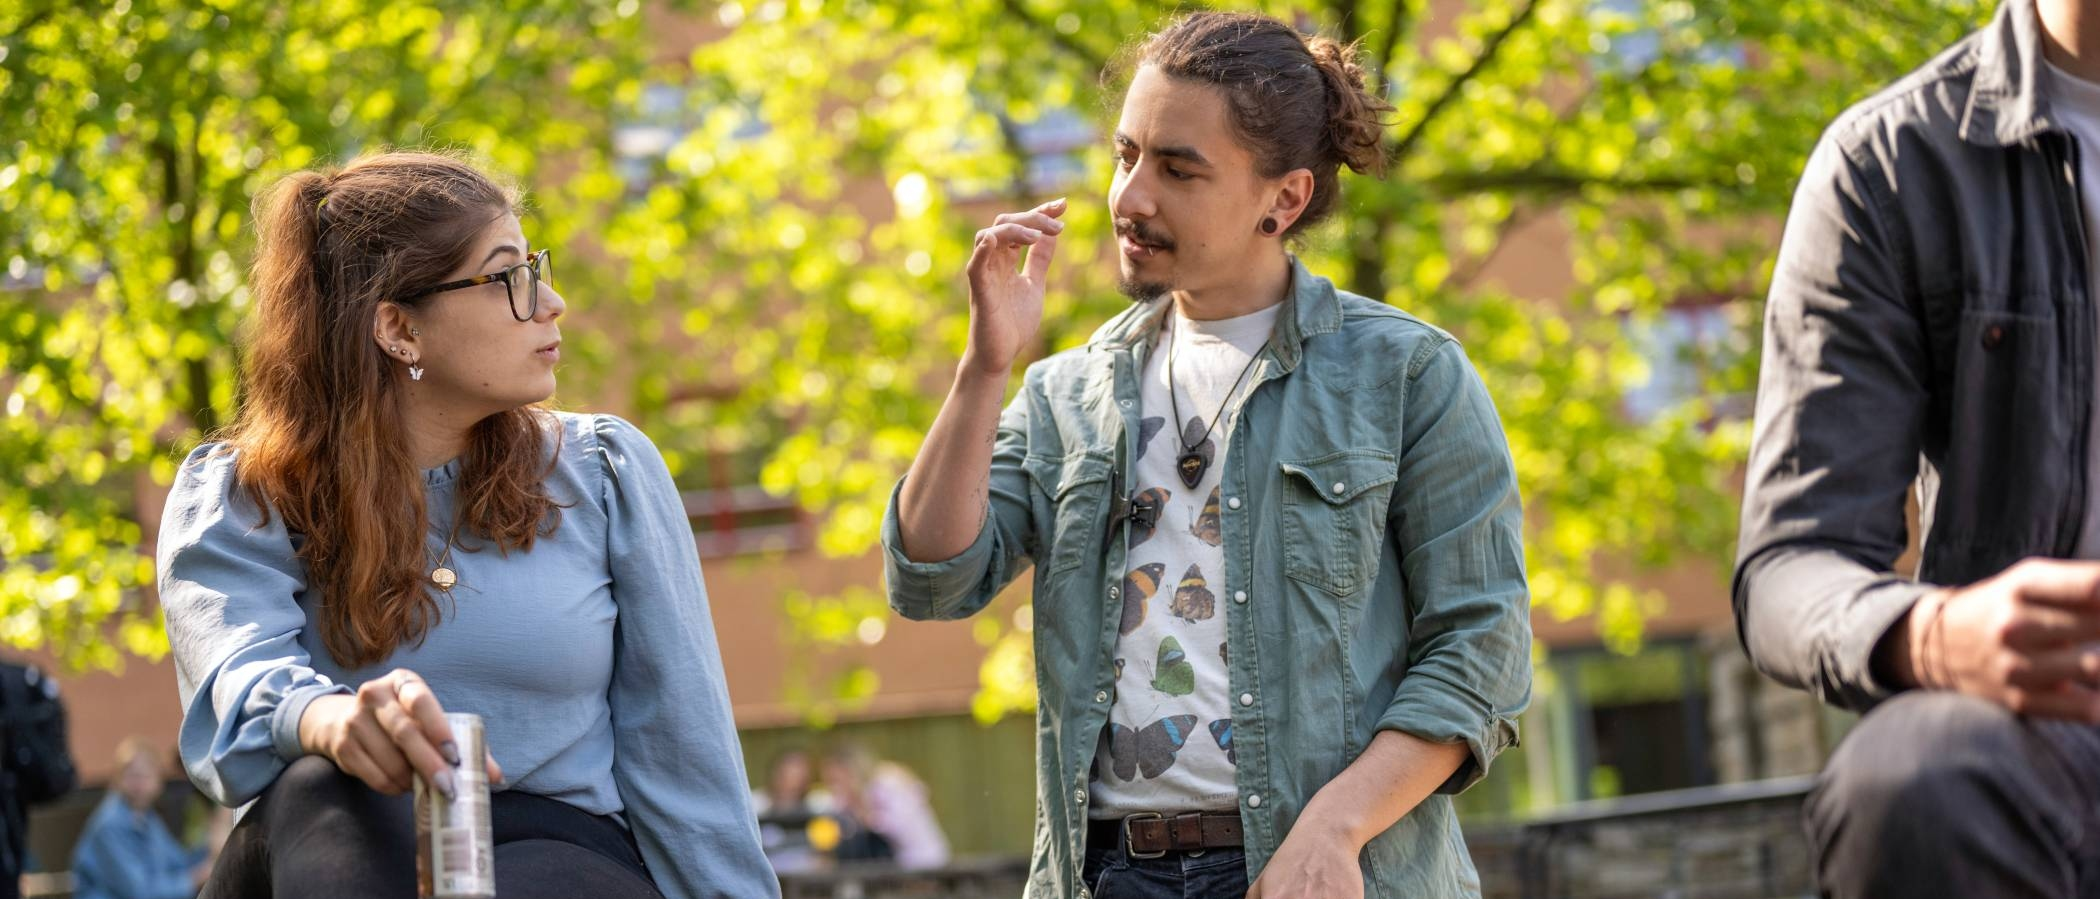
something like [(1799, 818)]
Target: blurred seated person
[(884, 810), (126, 851), (787, 807)]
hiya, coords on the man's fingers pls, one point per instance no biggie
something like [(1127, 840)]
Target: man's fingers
[(1036, 220), (1009, 235), (2045, 669), (2068, 701), (2056, 582), (1038, 266), (2037, 626)]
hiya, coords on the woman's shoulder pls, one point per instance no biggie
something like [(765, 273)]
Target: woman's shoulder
[(208, 484), (601, 444), (209, 504)]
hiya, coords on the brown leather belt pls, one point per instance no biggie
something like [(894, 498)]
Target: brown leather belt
[(1151, 835)]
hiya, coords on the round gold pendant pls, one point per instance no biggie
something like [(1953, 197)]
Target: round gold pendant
[(444, 578)]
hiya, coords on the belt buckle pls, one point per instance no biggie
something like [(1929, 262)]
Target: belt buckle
[(1131, 850)]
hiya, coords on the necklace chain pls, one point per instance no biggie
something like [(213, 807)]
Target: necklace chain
[(1174, 396)]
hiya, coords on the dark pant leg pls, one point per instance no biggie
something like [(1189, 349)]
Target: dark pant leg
[(318, 833), (1939, 794), (548, 848)]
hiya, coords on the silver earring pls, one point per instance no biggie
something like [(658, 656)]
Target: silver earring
[(414, 333), (415, 372)]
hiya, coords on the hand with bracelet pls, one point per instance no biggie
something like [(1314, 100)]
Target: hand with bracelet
[(2027, 639)]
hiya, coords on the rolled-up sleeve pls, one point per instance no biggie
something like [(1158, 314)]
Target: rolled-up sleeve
[(1458, 525), (230, 585), (1005, 544), (676, 758), (1823, 508)]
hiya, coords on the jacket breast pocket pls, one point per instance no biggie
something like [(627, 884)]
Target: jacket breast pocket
[(1076, 488), (1334, 517)]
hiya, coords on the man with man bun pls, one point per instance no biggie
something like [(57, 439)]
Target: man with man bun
[(1280, 607)]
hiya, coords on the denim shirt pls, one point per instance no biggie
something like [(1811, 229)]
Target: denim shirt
[(1373, 558), (1930, 328)]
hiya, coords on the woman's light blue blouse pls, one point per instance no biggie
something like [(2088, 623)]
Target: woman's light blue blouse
[(591, 659)]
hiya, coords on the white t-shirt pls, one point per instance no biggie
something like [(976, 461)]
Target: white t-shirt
[(2077, 105), (1168, 746)]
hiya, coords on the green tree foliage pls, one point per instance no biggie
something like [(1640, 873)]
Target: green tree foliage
[(778, 279)]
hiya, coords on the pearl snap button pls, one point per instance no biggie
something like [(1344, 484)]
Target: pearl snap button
[(1338, 488)]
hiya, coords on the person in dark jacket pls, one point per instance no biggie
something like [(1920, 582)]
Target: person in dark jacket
[(1930, 337)]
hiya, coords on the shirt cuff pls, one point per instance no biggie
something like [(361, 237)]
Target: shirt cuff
[(284, 722), (1432, 709), (1871, 615), (922, 589)]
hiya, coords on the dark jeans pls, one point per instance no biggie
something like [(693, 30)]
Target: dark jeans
[(1938, 794), (1110, 873), (318, 833)]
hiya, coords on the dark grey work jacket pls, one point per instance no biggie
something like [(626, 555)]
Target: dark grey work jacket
[(1929, 323)]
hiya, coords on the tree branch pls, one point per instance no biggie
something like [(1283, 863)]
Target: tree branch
[(1463, 276), (1554, 181), (1397, 27), (1458, 84), (1071, 44)]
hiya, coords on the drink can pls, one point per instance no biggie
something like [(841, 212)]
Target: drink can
[(455, 851)]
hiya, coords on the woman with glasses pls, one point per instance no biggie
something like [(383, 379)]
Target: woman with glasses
[(395, 527)]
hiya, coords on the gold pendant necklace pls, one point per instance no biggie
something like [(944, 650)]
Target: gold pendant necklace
[(441, 572)]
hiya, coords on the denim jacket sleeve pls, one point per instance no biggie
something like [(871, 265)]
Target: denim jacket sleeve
[(1823, 509), (1005, 544), (1458, 524)]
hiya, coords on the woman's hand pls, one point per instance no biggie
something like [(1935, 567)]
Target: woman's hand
[(390, 731)]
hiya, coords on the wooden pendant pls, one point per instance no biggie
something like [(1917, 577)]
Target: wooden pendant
[(1192, 465), (444, 578)]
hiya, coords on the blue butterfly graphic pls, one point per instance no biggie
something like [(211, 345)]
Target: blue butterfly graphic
[(1152, 750)]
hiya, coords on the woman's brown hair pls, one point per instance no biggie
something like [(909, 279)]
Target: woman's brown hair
[(1296, 100), (319, 433)]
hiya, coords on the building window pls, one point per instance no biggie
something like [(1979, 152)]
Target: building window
[(1684, 347), (1629, 36), (665, 115)]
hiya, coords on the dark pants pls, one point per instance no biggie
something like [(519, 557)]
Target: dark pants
[(318, 833), (1938, 794), (1110, 872)]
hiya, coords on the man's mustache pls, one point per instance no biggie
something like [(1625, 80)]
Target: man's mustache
[(1143, 235)]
